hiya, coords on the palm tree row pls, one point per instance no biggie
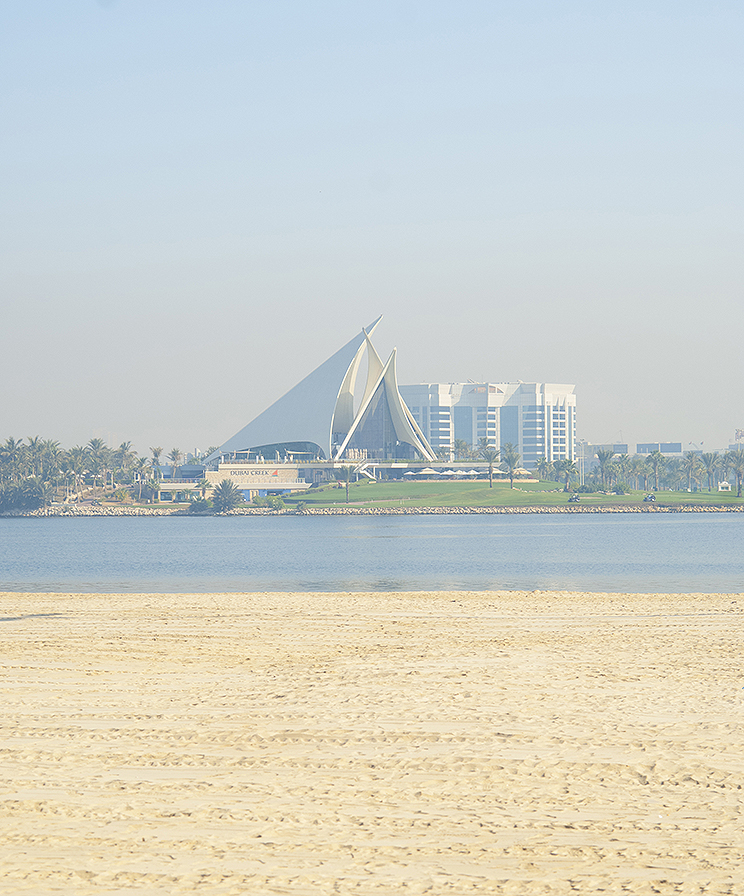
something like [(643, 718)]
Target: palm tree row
[(507, 457), (37, 471), (655, 470)]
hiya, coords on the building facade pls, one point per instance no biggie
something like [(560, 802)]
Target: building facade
[(672, 449), (539, 419)]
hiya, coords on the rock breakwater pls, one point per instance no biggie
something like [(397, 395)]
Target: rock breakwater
[(414, 511), (88, 511)]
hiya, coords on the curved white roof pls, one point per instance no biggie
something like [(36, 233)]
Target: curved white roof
[(305, 413)]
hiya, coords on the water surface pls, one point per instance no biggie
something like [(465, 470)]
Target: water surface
[(613, 552)]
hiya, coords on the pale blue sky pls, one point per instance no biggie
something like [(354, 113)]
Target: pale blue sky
[(202, 201)]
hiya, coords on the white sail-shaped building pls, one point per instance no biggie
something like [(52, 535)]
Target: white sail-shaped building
[(327, 416)]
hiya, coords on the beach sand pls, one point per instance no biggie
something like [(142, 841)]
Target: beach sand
[(517, 743)]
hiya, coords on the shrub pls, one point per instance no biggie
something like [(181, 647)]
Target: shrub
[(226, 496), (200, 505)]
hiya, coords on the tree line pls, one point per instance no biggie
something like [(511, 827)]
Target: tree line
[(36, 472), (655, 470)]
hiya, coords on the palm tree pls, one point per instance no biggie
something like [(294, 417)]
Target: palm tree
[(226, 496), (490, 456), (710, 462), (175, 457), (461, 448), (51, 463), (124, 458), (604, 457), (543, 468), (12, 457), (690, 466), (51, 457), (624, 465), (657, 461), (673, 474), (139, 468), (345, 474), (77, 460), (510, 459), (98, 459), (156, 452), (35, 453), (35, 493), (568, 469), (204, 485), (724, 465), (640, 470), (611, 472), (736, 463)]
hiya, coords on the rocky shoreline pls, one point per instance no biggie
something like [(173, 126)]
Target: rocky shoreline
[(404, 511), (87, 511)]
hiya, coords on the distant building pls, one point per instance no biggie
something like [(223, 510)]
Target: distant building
[(615, 447), (670, 448), (538, 418)]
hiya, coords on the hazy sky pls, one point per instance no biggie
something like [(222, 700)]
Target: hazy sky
[(202, 201)]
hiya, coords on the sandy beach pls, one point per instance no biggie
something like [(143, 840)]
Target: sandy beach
[(516, 743)]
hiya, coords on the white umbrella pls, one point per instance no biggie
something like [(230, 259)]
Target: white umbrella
[(427, 472)]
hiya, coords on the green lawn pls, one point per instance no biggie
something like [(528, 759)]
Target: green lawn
[(478, 494)]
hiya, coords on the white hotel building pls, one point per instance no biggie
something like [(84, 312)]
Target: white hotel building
[(539, 419)]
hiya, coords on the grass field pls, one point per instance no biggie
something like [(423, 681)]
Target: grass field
[(478, 494)]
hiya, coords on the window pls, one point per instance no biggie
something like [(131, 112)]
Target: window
[(509, 417)]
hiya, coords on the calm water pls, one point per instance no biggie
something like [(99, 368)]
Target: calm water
[(685, 552)]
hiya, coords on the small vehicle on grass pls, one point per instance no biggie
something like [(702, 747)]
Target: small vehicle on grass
[(574, 499), (649, 499)]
